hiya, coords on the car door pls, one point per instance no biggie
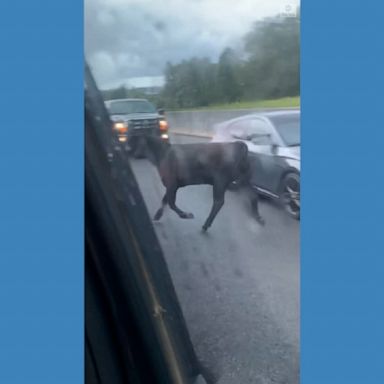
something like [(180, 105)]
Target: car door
[(244, 130), (260, 137)]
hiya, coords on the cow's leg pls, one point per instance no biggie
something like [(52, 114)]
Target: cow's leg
[(245, 175), (254, 198), (218, 202), (160, 211), (171, 196)]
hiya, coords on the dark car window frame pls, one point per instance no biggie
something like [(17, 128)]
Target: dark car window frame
[(134, 329)]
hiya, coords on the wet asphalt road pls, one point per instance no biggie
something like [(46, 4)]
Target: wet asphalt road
[(238, 284)]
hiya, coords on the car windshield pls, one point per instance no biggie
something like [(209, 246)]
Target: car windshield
[(124, 107), (237, 280), (288, 128)]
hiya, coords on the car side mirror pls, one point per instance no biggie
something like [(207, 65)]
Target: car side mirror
[(238, 137), (274, 148), (161, 112)]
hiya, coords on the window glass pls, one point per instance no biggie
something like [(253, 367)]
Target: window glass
[(288, 128), (255, 130), (207, 63), (123, 107)]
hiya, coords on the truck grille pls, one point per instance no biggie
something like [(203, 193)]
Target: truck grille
[(147, 124)]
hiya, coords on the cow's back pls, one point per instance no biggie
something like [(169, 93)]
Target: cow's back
[(203, 163)]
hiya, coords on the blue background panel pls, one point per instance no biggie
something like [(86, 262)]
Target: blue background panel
[(42, 193), (342, 285), (41, 168)]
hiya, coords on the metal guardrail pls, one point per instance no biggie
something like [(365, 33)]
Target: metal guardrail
[(200, 123), (193, 134), (240, 109)]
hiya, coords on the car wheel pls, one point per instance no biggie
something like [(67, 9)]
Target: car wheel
[(290, 194)]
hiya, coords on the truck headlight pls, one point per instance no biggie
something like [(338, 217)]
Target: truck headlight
[(163, 125), (120, 127)]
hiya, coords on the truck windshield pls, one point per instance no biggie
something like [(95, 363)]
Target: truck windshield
[(124, 107)]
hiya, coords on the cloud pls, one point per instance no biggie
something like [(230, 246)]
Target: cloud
[(135, 38)]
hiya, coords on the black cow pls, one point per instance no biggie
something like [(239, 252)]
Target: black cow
[(216, 164)]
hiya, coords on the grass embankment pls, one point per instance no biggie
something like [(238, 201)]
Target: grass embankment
[(285, 102)]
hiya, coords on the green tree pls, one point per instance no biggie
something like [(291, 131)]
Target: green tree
[(190, 83), (272, 67), (118, 93), (228, 81), (269, 69)]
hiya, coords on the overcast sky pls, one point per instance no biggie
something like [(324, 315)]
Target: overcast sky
[(126, 39)]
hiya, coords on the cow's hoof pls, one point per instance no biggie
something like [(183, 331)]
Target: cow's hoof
[(204, 229), (260, 220), (187, 215)]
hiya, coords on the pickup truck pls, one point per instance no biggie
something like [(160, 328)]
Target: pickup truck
[(132, 120)]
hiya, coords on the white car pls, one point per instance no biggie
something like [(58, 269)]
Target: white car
[(273, 140)]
